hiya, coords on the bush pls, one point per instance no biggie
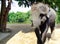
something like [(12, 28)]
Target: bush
[(18, 17), (12, 17), (58, 17)]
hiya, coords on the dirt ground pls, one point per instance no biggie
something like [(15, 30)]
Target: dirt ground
[(24, 34)]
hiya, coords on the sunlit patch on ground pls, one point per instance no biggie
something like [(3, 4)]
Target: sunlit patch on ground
[(30, 38), (23, 38), (55, 38)]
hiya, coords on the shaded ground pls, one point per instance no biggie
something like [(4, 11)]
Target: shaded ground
[(23, 34)]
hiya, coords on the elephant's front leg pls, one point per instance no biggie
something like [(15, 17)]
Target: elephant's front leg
[(38, 35)]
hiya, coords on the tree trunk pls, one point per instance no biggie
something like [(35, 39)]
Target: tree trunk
[(3, 7), (4, 14)]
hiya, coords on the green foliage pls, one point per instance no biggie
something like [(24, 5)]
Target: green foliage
[(58, 17), (18, 17), (12, 17), (52, 3)]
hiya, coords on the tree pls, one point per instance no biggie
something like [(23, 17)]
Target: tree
[(52, 3), (4, 14)]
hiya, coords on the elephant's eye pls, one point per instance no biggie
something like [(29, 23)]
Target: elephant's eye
[(41, 15)]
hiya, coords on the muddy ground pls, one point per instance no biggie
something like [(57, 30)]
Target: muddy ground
[(24, 34)]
